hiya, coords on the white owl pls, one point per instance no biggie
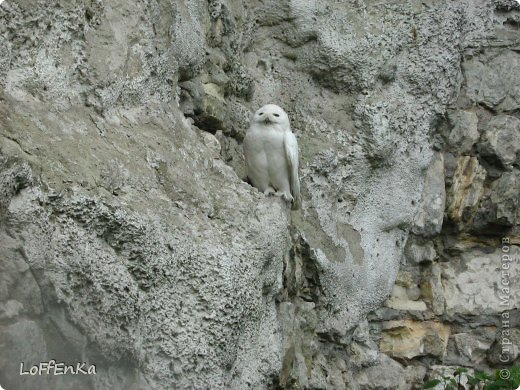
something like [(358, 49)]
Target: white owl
[(271, 153)]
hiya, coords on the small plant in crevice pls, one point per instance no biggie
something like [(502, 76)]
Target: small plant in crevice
[(503, 379)]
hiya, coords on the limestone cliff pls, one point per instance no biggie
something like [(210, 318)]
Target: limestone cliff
[(130, 239)]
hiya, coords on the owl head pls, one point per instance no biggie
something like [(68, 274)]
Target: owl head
[(271, 114)]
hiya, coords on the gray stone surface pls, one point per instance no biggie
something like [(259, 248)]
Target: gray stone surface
[(463, 130), (26, 344), (471, 284), (492, 80), (130, 240), (472, 346), (501, 140), (499, 208), (390, 374)]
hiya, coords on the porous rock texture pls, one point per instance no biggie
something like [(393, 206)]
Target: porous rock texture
[(131, 241)]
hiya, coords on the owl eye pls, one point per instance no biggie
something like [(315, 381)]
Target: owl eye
[(276, 115), (261, 113)]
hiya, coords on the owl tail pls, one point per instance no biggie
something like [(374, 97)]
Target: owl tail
[(296, 204), (291, 155)]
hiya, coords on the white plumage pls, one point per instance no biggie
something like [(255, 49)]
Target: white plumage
[(271, 153)]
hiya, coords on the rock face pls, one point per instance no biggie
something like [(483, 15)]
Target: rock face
[(131, 241), (409, 339), (500, 140)]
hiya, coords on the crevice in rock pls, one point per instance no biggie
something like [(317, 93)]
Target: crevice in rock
[(297, 305)]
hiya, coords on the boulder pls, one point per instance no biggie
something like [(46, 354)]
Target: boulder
[(501, 140)]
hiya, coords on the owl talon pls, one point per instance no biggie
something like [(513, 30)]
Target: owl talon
[(270, 191), (286, 197)]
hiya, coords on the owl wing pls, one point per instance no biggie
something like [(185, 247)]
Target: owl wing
[(291, 155)]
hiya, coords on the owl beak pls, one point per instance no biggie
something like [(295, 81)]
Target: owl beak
[(267, 120)]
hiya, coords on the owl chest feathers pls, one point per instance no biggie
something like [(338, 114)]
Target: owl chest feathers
[(266, 147)]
